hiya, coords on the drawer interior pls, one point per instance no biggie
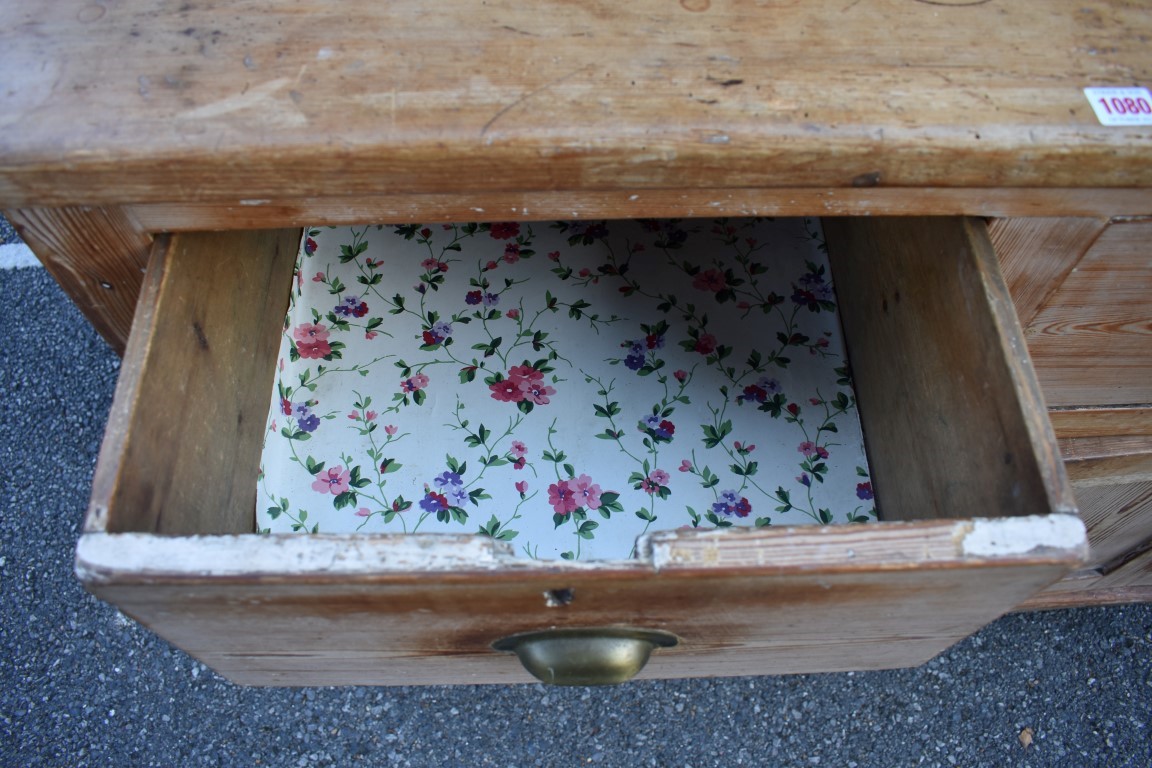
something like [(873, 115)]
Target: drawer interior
[(975, 509), (565, 387)]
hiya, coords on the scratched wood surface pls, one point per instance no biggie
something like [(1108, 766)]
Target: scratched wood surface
[(143, 101), (814, 607)]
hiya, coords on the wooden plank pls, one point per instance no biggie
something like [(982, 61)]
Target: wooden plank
[(1118, 518), (97, 255), (1037, 254), (1101, 422), (424, 609), (286, 210), (1107, 460), (139, 101), (182, 447), (953, 419), (1092, 341)]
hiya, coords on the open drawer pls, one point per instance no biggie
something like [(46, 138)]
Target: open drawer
[(976, 512)]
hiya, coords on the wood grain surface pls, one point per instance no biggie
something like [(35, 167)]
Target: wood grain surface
[(166, 102), (357, 619), (97, 255), (1092, 340), (1101, 422), (953, 419), (181, 450)]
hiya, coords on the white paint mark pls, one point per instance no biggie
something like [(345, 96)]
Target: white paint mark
[(17, 256), (718, 138), (633, 197), (324, 54), (1009, 536), (255, 202)]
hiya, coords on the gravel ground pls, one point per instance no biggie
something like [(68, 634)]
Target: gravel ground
[(80, 685)]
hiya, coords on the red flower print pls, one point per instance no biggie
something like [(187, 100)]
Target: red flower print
[(513, 314), (507, 391), (681, 375), (711, 280), (505, 230), (511, 253), (706, 344), (562, 497), (316, 351), (285, 406)]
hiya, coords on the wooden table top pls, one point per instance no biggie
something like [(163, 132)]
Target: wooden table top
[(138, 101)]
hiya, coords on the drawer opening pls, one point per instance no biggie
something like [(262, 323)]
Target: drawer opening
[(976, 513), (952, 419)]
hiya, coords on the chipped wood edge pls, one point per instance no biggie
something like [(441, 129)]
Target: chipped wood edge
[(111, 558)]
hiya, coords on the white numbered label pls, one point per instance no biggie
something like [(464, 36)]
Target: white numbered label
[(1121, 106)]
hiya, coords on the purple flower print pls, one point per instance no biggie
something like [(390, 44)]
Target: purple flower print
[(415, 382), (437, 334), (864, 491), (804, 480), (309, 423), (433, 502), (660, 477), (448, 478), (651, 422), (634, 361), (333, 481), (730, 504), (351, 307), (759, 391), (491, 299), (473, 297), (459, 495), (665, 430)]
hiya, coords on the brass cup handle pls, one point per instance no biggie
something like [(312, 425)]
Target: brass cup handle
[(597, 656)]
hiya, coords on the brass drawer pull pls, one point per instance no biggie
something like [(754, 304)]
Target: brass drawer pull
[(599, 656)]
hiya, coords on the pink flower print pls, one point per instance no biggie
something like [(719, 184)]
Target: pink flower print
[(525, 373), (505, 230), (390, 429), (522, 487), (415, 382), (587, 494), (648, 486), (711, 280), (554, 255), (808, 448), (562, 497), (537, 392), (518, 449), (490, 266), (363, 512), (660, 477), (585, 272), (429, 264), (310, 333), (370, 335), (318, 277), (706, 344), (685, 466), (333, 481), (355, 415), (681, 375), (513, 313), (507, 391), (370, 415)]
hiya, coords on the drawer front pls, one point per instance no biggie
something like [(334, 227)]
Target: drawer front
[(976, 505)]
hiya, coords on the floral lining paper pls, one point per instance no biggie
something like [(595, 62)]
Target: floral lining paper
[(563, 387)]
